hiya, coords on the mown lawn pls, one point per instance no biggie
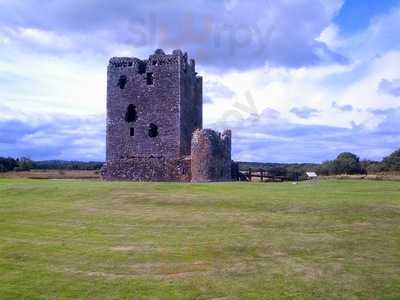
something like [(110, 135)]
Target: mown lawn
[(70, 239)]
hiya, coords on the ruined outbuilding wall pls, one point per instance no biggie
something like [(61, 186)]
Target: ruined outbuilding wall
[(211, 156)]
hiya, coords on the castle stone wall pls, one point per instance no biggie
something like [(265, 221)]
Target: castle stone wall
[(147, 169), (191, 103), (153, 108), (152, 88)]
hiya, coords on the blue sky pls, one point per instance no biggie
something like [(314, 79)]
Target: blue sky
[(355, 15), (297, 81)]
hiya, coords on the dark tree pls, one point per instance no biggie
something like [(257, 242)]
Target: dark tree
[(7, 164), (392, 162), (347, 163), (326, 168), (372, 167)]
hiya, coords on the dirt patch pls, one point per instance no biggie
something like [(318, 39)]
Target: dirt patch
[(155, 270), (132, 248)]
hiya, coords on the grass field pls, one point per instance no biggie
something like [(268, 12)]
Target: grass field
[(71, 239)]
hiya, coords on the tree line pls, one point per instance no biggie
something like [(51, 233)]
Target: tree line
[(25, 164), (345, 163), (349, 163)]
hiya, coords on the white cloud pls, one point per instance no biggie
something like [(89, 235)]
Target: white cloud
[(42, 38), (42, 83), (391, 87), (330, 36), (37, 84), (354, 85), (237, 34)]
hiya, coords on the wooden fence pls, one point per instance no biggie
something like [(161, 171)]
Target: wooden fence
[(263, 175)]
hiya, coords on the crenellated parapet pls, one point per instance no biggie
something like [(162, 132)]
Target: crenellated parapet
[(158, 59)]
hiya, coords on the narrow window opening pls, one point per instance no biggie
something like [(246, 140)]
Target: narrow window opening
[(122, 81), (149, 78), (153, 130), (131, 115), (132, 132)]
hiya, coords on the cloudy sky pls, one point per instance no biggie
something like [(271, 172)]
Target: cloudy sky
[(296, 80)]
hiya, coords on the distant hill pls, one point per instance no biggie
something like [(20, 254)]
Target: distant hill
[(270, 166), (67, 165)]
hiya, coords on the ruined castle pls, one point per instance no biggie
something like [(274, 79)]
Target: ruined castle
[(155, 120)]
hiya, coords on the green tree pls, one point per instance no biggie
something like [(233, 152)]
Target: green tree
[(24, 164), (7, 164), (372, 167), (392, 162), (347, 163), (326, 168)]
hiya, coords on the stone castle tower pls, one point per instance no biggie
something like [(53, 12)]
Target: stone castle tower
[(154, 107)]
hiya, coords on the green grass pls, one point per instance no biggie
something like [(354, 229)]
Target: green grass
[(70, 239)]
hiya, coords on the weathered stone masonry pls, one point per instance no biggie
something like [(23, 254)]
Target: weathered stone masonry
[(153, 108), (211, 156)]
